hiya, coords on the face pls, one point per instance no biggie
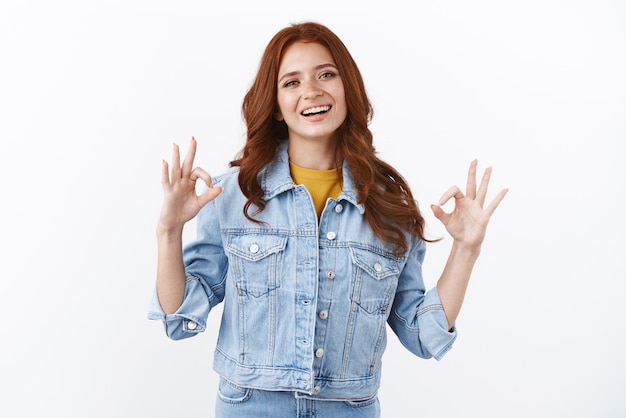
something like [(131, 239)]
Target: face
[(311, 98)]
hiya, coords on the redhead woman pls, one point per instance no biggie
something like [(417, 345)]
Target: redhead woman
[(312, 243)]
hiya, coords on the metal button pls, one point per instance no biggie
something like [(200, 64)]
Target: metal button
[(323, 314), (331, 235), (192, 325), (330, 274), (317, 390), (378, 267), (338, 208), (254, 248), (319, 352)]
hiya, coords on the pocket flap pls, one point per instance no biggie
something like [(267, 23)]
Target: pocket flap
[(376, 265), (255, 247)]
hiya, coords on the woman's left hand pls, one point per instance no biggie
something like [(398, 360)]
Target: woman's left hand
[(467, 223)]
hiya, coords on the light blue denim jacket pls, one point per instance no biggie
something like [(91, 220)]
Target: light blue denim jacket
[(305, 305)]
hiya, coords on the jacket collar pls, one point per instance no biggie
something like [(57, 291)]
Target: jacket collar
[(275, 178)]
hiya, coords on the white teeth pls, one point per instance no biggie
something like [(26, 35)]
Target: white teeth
[(317, 109)]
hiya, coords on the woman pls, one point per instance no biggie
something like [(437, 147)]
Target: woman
[(311, 241)]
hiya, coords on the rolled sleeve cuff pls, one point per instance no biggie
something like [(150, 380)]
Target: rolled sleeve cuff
[(190, 318), (435, 336)]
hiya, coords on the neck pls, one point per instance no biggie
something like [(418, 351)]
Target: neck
[(314, 155)]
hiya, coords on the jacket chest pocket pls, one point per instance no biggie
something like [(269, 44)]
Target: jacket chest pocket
[(374, 280), (256, 261)]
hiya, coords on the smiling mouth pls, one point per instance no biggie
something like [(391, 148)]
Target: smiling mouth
[(318, 110)]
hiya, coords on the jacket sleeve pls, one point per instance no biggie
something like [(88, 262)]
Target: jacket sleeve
[(205, 270), (417, 317)]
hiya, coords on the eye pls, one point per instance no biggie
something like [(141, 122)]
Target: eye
[(327, 74), (290, 83)]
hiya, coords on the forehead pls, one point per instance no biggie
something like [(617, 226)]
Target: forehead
[(300, 56)]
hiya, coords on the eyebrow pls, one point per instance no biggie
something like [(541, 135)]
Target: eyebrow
[(317, 67)]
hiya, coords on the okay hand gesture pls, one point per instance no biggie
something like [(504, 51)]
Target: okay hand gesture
[(181, 203), (467, 223)]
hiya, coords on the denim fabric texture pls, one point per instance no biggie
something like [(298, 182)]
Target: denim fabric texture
[(238, 402), (306, 305)]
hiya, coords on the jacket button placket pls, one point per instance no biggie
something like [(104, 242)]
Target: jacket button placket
[(306, 292), (329, 226)]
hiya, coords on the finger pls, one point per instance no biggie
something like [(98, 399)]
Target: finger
[(188, 162), (199, 173), (495, 202), (165, 176), (452, 192), (175, 162), (470, 188), (484, 185)]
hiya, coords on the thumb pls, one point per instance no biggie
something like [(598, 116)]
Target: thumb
[(439, 213), (209, 195)]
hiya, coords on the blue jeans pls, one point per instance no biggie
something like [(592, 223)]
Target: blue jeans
[(238, 402)]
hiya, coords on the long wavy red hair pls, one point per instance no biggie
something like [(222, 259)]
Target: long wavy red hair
[(390, 207)]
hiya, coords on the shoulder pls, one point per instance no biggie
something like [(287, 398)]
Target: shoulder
[(227, 177)]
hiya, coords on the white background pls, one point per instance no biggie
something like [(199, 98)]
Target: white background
[(93, 93)]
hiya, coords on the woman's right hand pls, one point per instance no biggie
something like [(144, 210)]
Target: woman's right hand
[(181, 203)]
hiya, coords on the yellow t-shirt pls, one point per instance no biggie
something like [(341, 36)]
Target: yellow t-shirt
[(321, 184)]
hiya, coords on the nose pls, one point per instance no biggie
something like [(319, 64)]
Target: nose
[(312, 90)]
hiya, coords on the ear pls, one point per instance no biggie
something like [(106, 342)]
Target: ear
[(278, 116)]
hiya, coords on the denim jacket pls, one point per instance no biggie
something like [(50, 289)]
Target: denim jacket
[(305, 304)]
